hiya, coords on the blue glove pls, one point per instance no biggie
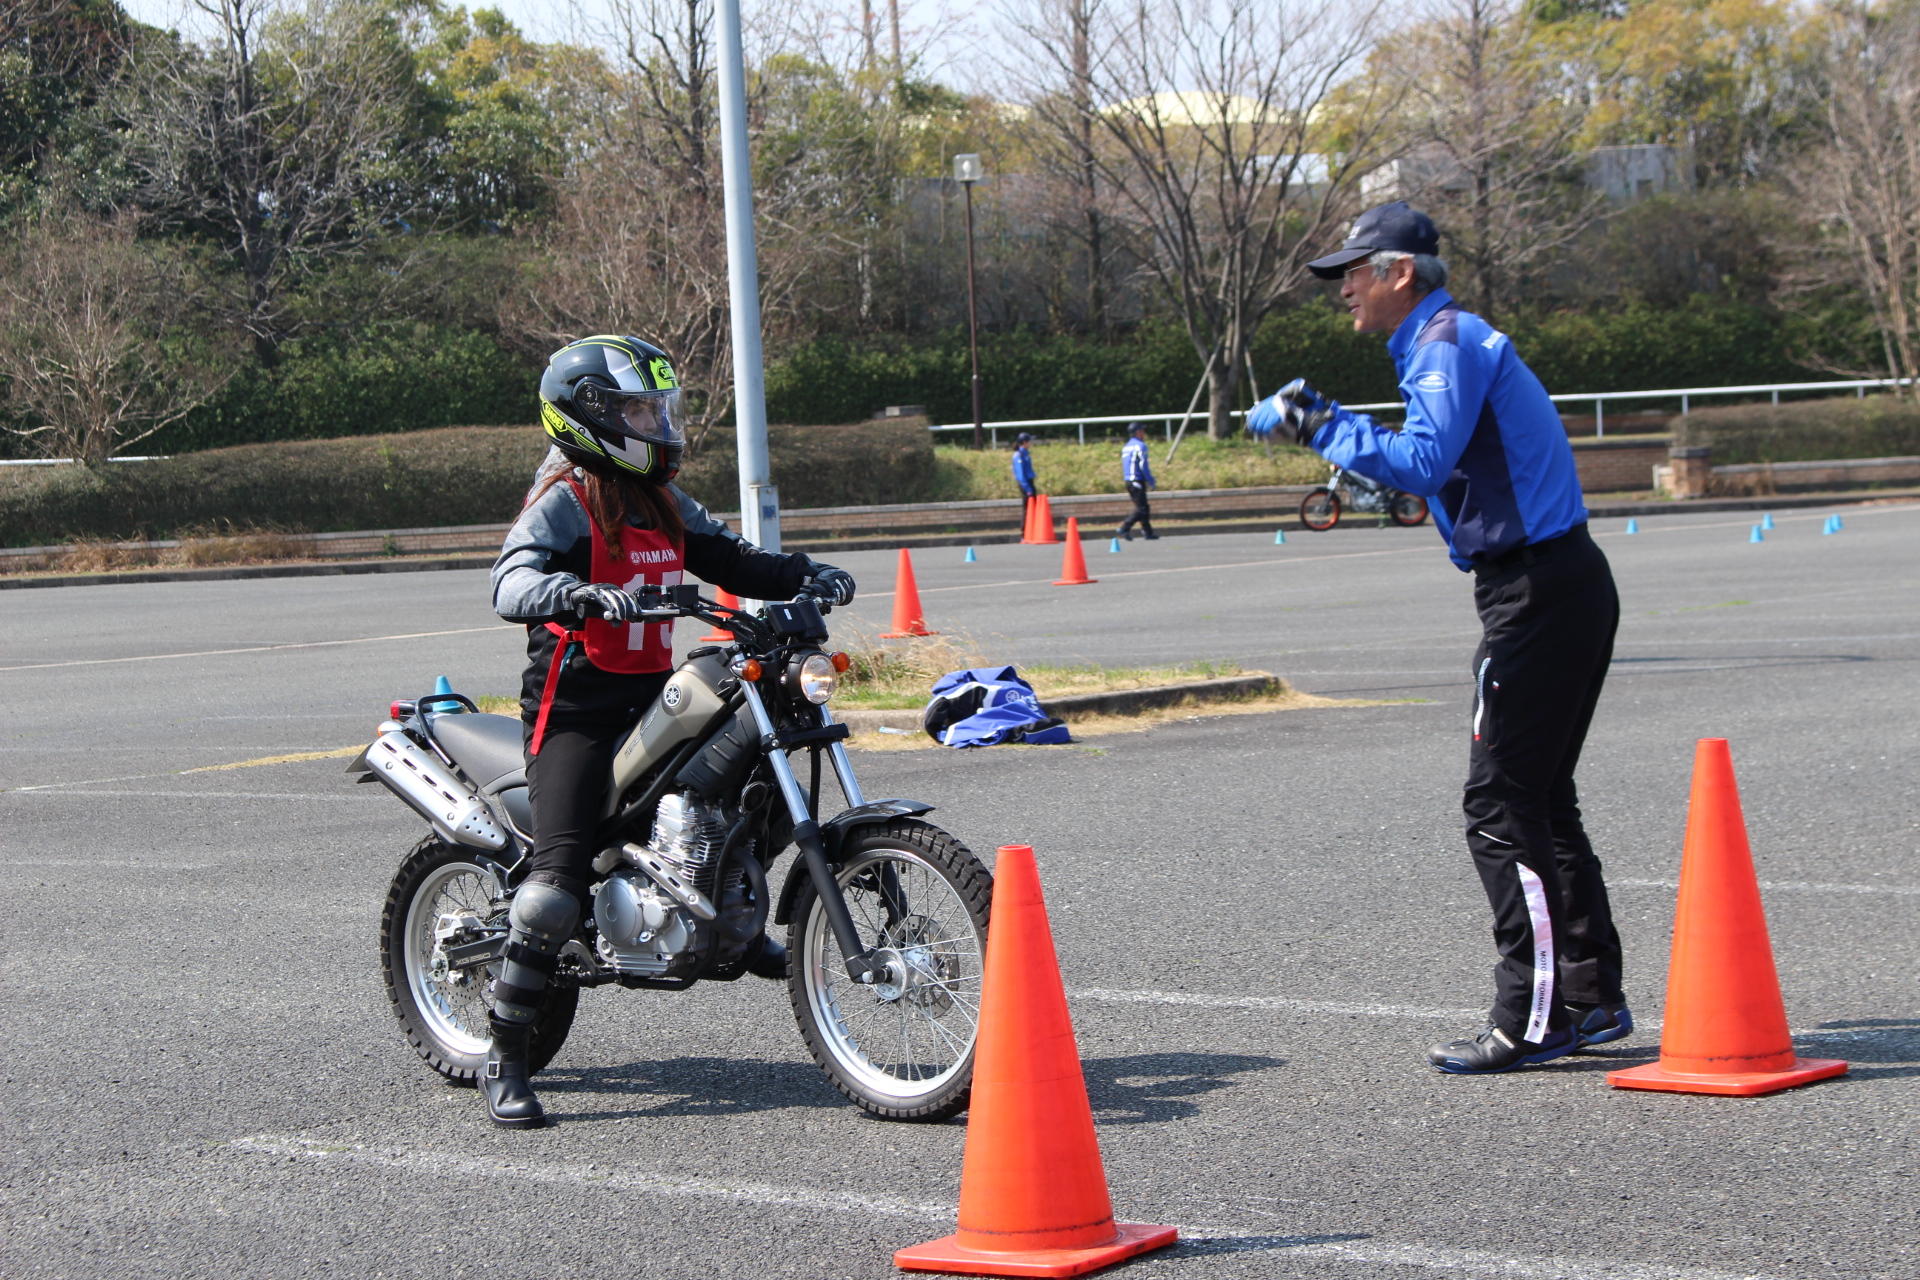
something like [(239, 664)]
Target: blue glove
[(1265, 416), (1304, 410)]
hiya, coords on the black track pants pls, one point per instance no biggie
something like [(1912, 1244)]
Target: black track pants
[(587, 711), (1548, 637), (1141, 516)]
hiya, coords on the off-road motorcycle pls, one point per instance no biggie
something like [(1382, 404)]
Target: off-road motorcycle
[(1351, 491), (886, 914)]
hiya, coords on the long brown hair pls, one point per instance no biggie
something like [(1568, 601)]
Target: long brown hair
[(613, 502)]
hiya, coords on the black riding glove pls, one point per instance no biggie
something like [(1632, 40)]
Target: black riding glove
[(835, 586), (599, 600)]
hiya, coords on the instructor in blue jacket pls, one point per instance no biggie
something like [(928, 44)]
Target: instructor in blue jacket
[(1484, 443)]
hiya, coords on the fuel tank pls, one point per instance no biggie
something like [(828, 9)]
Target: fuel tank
[(689, 706)]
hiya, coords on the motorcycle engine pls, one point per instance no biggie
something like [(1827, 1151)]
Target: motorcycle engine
[(647, 930)]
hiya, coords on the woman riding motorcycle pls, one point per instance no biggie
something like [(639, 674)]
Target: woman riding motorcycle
[(602, 520)]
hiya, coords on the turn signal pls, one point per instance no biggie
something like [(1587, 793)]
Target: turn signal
[(841, 662), (750, 670)]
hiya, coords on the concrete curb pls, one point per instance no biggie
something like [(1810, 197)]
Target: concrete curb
[(1074, 706)]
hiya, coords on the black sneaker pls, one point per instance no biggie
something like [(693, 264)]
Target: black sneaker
[(1494, 1050), (1600, 1023)]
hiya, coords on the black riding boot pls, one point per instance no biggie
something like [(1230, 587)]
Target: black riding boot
[(505, 1079)]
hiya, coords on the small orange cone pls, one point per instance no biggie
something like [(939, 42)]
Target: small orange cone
[(1073, 562), (1726, 1028), (1043, 521), (1033, 1195), (908, 619), (727, 600), (1029, 508)]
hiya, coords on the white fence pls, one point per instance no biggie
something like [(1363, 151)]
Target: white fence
[(1684, 396)]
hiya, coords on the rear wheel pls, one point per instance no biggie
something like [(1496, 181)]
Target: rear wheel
[(443, 895), (1408, 510), (902, 1047), (1320, 509)]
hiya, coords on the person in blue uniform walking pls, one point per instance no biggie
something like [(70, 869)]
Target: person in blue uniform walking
[(1483, 440), (1023, 476), (1138, 476)]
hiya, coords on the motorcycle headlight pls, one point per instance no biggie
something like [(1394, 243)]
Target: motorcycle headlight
[(815, 677)]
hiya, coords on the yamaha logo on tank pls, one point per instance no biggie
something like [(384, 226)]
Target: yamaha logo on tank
[(670, 697)]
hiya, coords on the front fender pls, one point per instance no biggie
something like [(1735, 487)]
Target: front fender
[(833, 835)]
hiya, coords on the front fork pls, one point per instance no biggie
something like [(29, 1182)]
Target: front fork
[(861, 964)]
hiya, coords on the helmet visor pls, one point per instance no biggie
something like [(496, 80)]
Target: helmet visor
[(654, 417)]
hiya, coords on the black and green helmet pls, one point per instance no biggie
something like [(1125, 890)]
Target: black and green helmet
[(612, 404)]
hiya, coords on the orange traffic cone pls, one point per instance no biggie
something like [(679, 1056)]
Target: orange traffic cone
[(1073, 562), (908, 620), (1033, 1195), (727, 600), (1030, 507), (1726, 1028), (1043, 521)]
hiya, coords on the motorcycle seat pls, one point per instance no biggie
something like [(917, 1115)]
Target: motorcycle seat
[(488, 748)]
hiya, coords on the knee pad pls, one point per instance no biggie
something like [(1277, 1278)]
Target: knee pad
[(545, 913)]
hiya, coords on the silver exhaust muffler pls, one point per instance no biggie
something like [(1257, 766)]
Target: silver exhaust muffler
[(433, 791)]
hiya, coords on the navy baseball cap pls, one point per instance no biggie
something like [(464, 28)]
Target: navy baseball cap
[(1397, 226)]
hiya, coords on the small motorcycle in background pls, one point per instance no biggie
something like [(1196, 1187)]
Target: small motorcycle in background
[(1350, 491)]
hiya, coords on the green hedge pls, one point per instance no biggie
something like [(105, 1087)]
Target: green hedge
[(1877, 426), (1154, 370), (387, 378), (452, 476)]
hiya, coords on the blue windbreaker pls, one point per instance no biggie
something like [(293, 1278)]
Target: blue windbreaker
[(1133, 463), (1023, 470), (1481, 436)]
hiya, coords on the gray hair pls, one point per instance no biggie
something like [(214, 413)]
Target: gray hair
[(1429, 272)]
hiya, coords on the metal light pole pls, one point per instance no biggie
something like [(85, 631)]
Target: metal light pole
[(759, 501), (966, 172)]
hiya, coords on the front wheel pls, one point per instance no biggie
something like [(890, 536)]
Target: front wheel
[(1320, 509), (440, 896), (1408, 510), (902, 1047)]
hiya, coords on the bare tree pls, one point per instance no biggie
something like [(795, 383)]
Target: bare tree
[(1487, 137), (284, 140), (638, 241), (1861, 181), (1203, 134), (98, 340)]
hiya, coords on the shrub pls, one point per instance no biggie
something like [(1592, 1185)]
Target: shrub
[(419, 479), (1876, 426)]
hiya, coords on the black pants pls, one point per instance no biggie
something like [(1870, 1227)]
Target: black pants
[(587, 711), (1549, 620), (1141, 516), (1026, 512)]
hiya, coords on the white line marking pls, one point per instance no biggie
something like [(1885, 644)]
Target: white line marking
[(108, 864), (46, 790), (1788, 886), (1338, 1008), (448, 1169), (257, 648)]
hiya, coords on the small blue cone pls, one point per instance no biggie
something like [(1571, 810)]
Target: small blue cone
[(971, 558), (1633, 526), (1766, 521), (1756, 535), (440, 687), (1838, 524), (1826, 526), (1113, 547), (1279, 537)]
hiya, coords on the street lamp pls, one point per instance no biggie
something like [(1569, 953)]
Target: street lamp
[(966, 172)]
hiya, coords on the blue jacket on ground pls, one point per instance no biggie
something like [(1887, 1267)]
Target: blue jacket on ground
[(1481, 436), (1133, 463), (1023, 470), (984, 706)]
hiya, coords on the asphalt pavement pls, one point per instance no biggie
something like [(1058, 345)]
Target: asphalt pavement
[(1262, 921)]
